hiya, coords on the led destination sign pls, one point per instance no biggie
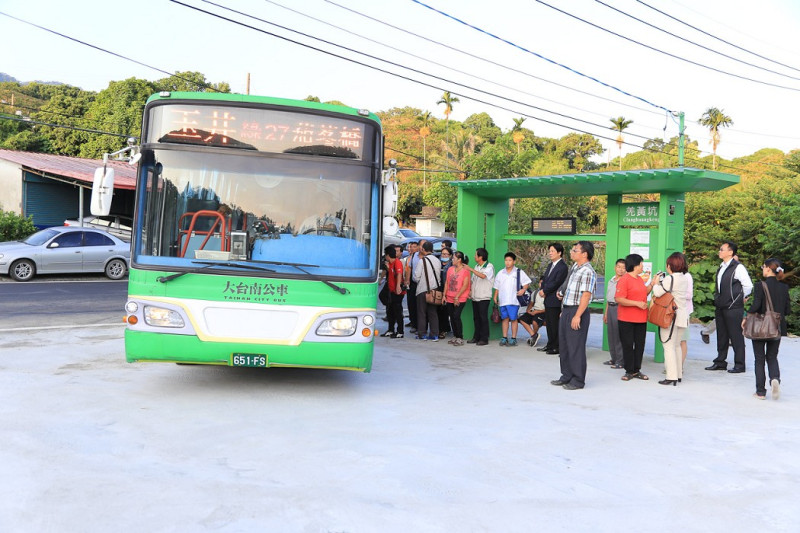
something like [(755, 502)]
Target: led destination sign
[(257, 129), (565, 226)]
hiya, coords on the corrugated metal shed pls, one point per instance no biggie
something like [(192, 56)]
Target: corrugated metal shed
[(77, 168)]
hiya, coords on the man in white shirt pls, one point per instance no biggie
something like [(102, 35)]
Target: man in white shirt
[(732, 286), (427, 274), (508, 284)]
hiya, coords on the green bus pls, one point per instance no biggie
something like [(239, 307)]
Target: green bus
[(257, 232)]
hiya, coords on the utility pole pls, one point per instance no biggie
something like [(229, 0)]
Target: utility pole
[(248, 83)]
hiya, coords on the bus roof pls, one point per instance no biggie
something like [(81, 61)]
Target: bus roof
[(251, 99)]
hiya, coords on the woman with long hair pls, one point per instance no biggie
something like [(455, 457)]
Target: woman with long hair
[(766, 351), (456, 293), (677, 283)]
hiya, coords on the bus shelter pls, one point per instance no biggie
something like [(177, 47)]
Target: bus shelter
[(653, 229)]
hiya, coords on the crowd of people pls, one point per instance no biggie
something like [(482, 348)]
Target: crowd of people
[(437, 288)]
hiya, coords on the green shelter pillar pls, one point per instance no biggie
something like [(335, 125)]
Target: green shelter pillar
[(482, 223), (613, 246)]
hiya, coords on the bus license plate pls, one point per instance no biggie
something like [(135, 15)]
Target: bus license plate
[(249, 359)]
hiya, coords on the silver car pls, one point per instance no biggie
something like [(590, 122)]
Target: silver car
[(65, 249), (117, 225)]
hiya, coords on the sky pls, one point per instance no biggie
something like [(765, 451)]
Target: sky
[(508, 58)]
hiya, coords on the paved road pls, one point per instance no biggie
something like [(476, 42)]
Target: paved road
[(54, 302)]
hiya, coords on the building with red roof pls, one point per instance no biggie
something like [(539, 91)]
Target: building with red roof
[(53, 188)]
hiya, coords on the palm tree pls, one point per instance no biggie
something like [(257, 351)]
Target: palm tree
[(620, 123), (424, 131), (714, 119), (448, 100), (516, 132)]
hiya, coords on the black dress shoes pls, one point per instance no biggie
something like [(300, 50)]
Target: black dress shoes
[(543, 349), (715, 367), (735, 370), (552, 352), (558, 383)]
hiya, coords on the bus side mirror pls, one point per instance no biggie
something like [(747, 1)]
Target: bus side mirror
[(390, 196), (102, 191)]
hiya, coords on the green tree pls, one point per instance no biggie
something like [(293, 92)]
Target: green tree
[(483, 127), (190, 81), (424, 131), (448, 100), (714, 119), (576, 148), (69, 110), (619, 125), (116, 109), (516, 132)]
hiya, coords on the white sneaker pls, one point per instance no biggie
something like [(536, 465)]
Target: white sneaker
[(776, 389)]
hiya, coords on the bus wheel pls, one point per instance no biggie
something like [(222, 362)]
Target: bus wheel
[(22, 270), (116, 268)]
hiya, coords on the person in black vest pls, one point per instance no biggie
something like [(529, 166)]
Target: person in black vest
[(552, 279), (779, 294), (732, 286)]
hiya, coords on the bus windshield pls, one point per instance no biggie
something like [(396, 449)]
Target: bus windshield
[(201, 206)]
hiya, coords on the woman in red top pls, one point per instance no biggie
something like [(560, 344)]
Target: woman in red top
[(631, 297), (456, 293)]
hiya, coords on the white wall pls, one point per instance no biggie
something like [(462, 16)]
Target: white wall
[(430, 227), (10, 186)]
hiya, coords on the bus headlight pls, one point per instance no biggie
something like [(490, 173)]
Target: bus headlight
[(338, 327), (369, 320), (160, 317)]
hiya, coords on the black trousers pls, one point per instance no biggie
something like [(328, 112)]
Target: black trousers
[(729, 328), (444, 320), (573, 347), (394, 312), (480, 319), (427, 314), (632, 336), (766, 352), (551, 316), (454, 312), (411, 301)]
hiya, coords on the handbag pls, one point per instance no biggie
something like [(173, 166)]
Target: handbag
[(662, 311), (496, 315), (433, 296), (766, 326), (525, 299)]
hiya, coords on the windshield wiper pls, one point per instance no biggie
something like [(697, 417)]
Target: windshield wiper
[(298, 266), (209, 264)]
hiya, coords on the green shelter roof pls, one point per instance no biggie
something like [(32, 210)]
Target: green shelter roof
[(675, 180)]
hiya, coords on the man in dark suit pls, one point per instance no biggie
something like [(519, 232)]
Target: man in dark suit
[(553, 278), (732, 287)]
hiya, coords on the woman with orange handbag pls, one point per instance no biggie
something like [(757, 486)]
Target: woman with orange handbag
[(677, 283)]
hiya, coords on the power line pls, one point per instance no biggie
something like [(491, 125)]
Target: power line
[(417, 71), (489, 61), (171, 74), (476, 28), (39, 110), (427, 60), (31, 121), (717, 38), (653, 48), (694, 43), (447, 168)]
